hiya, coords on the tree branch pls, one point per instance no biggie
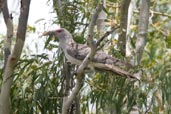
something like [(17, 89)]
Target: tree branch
[(2, 4), (105, 35), (142, 29), (128, 32), (156, 13), (92, 24), (123, 26), (100, 22), (67, 84), (13, 58), (9, 33), (85, 62)]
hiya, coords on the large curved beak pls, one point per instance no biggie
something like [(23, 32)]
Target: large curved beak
[(48, 33)]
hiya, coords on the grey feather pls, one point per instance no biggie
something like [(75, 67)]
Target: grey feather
[(79, 51)]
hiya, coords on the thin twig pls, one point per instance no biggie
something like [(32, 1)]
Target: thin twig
[(156, 13), (105, 35), (92, 24), (159, 13)]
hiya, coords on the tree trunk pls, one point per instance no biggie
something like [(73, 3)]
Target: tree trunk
[(9, 34), (123, 26), (13, 58)]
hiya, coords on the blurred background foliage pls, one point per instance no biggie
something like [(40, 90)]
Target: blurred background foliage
[(39, 79)]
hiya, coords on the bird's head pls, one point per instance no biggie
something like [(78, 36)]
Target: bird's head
[(60, 34)]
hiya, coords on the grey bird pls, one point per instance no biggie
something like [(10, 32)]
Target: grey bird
[(75, 54)]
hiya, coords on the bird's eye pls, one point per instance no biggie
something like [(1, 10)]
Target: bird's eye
[(60, 30)]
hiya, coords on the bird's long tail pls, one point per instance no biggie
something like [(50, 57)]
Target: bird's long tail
[(119, 71)]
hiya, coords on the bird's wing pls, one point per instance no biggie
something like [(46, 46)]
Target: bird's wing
[(101, 60), (80, 51), (104, 58)]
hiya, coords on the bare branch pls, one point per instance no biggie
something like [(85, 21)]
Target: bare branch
[(13, 58), (92, 24), (142, 29), (85, 62), (128, 32), (100, 22), (105, 35), (59, 8), (67, 83), (77, 104), (123, 26), (156, 13)]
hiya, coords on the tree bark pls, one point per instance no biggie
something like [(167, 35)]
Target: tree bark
[(101, 21), (1, 4), (13, 58), (142, 29), (123, 26), (9, 33), (67, 83), (130, 17)]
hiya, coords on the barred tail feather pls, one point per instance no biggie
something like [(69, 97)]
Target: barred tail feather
[(119, 71)]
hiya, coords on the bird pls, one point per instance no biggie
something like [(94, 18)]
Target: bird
[(75, 54)]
